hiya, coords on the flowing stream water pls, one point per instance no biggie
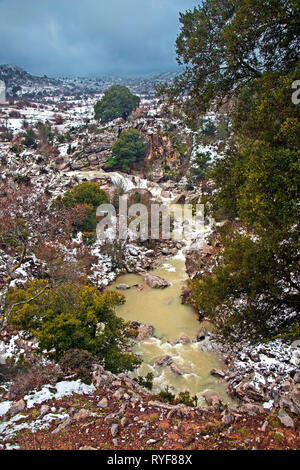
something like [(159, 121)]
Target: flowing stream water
[(162, 309)]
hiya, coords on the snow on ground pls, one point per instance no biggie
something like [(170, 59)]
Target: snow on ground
[(10, 428), (4, 407), (273, 357), (266, 365), (61, 389)]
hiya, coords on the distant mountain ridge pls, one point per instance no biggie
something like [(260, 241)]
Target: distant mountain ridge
[(20, 83)]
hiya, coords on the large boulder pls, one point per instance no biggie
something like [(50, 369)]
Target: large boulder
[(293, 399), (144, 330), (252, 409), (15, 409), (185, 293), (82, 414), (217, 373), (183, 338), (103, 403), (164, 361), (252, 388), (122, 287), (227, 417), (201, 334), (155, 282), (285, 419)]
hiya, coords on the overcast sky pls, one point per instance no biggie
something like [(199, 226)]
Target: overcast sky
[(90, 37)]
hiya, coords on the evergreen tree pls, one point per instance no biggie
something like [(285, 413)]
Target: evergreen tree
[(84, 199), (117, 102), (71, 316), (130, 148), (249, 50), (227, 43)]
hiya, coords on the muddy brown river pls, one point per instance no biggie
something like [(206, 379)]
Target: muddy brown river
[(162, 309)]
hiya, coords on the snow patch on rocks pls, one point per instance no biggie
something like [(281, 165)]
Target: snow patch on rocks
[(64, 388)]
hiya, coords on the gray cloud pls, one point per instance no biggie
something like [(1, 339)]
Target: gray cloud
[(90, 37)]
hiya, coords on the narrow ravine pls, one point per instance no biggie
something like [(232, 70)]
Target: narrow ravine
[(162, 308)]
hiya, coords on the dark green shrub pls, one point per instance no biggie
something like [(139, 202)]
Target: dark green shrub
[(89, 238), (29, 139), (146, 381), (166, 396), (186, 399), (73, 316), (85, 193)]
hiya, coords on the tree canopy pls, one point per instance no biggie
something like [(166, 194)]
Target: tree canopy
[(85, 193), (84, 199), (117, 102), (71, 316), (227, 43), (130, 148), (248, 50)]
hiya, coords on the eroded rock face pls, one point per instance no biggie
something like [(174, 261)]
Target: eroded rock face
[(162, 154), (155, 282)]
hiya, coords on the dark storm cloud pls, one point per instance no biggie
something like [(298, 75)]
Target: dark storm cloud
[(90, 37)]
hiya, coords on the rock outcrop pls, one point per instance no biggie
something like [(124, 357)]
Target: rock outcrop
[(183, 338), (199, 261)]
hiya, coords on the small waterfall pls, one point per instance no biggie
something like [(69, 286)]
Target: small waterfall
[(128, 182)]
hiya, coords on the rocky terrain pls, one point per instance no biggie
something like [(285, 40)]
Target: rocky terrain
[(113, 411)]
